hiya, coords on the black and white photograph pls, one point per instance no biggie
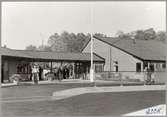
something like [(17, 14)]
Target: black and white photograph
[(83, 58)]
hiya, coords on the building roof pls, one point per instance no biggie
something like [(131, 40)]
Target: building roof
[(150, 50), (44, 55)]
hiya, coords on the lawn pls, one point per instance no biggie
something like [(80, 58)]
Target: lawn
[(30, 90), (97, 104), (37, 90)]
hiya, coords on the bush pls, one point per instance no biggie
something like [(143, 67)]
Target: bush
[(15, 77)]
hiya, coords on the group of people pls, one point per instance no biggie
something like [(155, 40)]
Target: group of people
[(38, 73), (61, 73)]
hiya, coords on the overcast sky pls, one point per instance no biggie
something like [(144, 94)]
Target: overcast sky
[(25, 23)]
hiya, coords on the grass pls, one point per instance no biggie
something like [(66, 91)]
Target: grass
[(98, 104), (29, 90), (37, 90)]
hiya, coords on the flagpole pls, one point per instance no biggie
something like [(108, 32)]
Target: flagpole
[(91, 51), (91, 69)]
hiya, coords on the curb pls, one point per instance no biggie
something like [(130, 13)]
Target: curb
[(78, 91)]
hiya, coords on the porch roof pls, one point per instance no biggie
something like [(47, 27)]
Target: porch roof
[(52, 56)]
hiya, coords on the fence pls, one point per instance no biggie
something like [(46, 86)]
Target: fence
[(132, 77)]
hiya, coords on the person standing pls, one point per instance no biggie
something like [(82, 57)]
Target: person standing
[(60, 72), (35, 73), (56, 73), (149, 73), (40, 73)]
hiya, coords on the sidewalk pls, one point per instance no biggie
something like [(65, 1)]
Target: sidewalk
[(78, 91), (47, 82), (67, 81)]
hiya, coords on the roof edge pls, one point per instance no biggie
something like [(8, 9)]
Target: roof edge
[(99, 56), (140, 58)]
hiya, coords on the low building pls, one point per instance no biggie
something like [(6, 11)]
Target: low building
[(129, 55), (19, 62)]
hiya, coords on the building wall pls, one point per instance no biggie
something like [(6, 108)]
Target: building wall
[(13, 67), (102, 50), (9, 68), (5, 70), (125, 61)]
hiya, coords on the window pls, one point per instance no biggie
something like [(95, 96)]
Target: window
[(158, 67), (145, 65), (164, 65), (152, 67), (23, 68), (138, 67), (116, 66), (98, 67)]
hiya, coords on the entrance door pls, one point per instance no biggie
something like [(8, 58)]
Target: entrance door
[(2, 73), (138, 67), (5, 71)]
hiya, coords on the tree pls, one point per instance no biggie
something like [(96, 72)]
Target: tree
[(44, 48), (139, 34), (100, 35), (120, 33), (76, 41), (69, 42), (149, 34), (161, 36), (82, 39), (56, 43), (31, 47), (123, 35)]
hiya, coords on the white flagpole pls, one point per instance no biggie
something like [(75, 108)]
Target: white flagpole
[(91, 69)]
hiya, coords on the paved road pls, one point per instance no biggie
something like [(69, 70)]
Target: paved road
[(87, 104)]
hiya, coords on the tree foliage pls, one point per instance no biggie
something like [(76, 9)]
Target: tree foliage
[(44, 48), (31, 47), (64, 42), (71, 42), (68, 42), (148, 34), (56, 42), (161, 36), (100, 35)]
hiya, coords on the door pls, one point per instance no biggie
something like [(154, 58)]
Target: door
[(5, 71)]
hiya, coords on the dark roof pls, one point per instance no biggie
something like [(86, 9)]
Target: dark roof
[(151, 50), (44, 55), (85, 44)]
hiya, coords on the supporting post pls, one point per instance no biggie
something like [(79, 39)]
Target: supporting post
[(148, 65), (51, 66), (110, 59), (73, 71), (91, 68), (1, 71)]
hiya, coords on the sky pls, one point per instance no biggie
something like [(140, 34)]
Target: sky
[(25, 23)]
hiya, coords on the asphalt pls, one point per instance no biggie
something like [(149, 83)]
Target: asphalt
[(89, 104), (67, 93)]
